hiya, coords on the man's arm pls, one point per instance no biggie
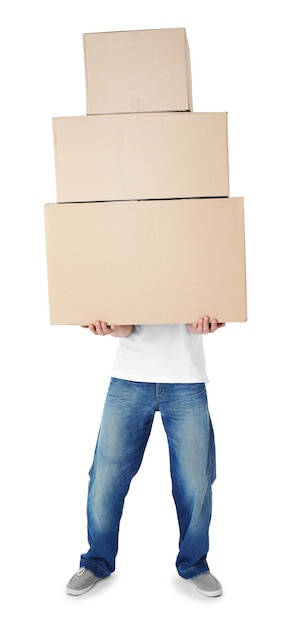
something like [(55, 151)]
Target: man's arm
[(102, 329), (204, 326)]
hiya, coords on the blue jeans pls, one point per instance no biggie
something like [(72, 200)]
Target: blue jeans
[(124, 431)]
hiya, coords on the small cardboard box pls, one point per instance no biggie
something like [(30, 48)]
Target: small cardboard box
[(141, 156), (137, 71), (154, 262)]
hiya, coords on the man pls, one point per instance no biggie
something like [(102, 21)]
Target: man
[(157, 368)]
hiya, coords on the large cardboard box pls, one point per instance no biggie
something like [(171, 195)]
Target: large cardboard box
[(141, 156), (137, 71), (154, 262)]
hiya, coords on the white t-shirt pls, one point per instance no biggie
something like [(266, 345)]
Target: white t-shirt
[(161, 353)]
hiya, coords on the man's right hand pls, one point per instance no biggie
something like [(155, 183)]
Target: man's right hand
[(103, 329)]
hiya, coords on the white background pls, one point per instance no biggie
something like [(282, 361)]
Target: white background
[(54, 379)]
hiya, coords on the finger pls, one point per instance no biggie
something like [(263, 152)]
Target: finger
[(200, 325), (97, 327), (213, 325), (206, 327), (106, 329)]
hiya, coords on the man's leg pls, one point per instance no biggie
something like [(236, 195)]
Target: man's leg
[(123, 435), (192, 458)]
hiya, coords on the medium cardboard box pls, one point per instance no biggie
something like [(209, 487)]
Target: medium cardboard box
[(137, 71), (141, 156), (154, 262)]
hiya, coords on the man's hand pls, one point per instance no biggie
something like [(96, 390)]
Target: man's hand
[(102, 329), (204, 326)]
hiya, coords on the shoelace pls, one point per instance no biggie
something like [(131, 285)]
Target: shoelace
[(81, 571)]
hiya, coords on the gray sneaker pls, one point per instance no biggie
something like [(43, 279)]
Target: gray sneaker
[(81, 582), (207, 584)]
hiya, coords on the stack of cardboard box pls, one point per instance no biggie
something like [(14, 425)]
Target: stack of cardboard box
[(144, 230)]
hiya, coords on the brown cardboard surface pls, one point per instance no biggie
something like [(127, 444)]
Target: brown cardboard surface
[(141, 156), (154, 262), (137, 71)]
